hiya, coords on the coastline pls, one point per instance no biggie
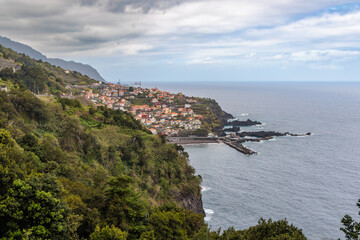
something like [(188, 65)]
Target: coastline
[(203, 140), (192, 140)]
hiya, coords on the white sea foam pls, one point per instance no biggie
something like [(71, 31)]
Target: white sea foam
[(204, 188), (209, 211), (233, 119), (208, 214), (244, 114)]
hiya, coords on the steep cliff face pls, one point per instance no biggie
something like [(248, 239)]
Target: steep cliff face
[(192, 201)]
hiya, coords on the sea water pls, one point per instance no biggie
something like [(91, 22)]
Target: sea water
[(311, 181)]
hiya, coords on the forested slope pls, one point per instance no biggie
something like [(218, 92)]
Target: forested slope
[(70, 171)]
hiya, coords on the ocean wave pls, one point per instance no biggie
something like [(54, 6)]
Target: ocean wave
[(301, 136), (204, 188), (208, 214), (233, 119), (244, 114)]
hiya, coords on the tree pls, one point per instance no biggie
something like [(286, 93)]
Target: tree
[(108, 233), (124, 207), (12, 161), (278, 230), (171, 222), (6, 73), (265, 229), (31, 210), (168, 225), (351, 228)]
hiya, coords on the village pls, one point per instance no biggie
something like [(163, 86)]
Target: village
[(162, 112)]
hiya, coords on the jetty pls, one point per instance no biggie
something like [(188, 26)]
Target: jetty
[(192, 140), (234, 142), (231, 142), (240, 147)]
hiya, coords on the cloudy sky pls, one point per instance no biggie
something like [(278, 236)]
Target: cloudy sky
[(194, 40)]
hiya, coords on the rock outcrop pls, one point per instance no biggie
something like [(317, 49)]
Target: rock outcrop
[(246, 123), (192, 201), (265, 134)]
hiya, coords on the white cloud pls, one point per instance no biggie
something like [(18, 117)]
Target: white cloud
[(203, 61), (131, 49), (316, 58), (250, 55), (328, 30), (325, 67), (204, 31), (278, 57), (68, 26), (323, 55)]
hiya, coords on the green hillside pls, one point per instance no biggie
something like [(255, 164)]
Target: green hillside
[(70, 171), (42, 77)]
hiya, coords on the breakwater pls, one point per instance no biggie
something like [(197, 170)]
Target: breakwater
[(234, 142)]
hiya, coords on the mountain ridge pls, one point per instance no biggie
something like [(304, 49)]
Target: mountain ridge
[(85, 69)]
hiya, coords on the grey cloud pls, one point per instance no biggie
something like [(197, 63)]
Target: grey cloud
[(30, 9), (91, 39), (118, 6), (68, 26), (144, 5), (88, 2)]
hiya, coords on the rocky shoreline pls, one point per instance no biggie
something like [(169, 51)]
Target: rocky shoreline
[(237, 140), (246, 123), (267, 134)]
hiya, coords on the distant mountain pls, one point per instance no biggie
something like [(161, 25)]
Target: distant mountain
[(85, 69)]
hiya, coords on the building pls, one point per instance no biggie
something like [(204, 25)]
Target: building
[(3, 88)]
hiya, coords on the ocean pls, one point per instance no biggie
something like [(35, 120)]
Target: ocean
[(311, 181)]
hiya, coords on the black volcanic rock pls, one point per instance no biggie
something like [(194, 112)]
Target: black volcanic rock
[(244, 123), (221, 133), (233, 129), (266, 134), (261, 134)]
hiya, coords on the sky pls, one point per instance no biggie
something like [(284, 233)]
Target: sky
[(194, 40)]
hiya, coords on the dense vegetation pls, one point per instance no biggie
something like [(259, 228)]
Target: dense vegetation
[(82, 166), (41, 77), (214, 117), (70, 171), (351, 227)]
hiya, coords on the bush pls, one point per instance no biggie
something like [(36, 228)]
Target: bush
[(30, 210), (108, 233)]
